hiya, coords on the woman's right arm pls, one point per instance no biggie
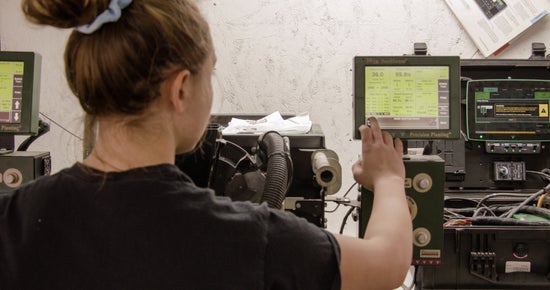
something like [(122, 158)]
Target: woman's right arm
[(380, 260)]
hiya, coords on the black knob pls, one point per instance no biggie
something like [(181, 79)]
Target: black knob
[(521, 251)]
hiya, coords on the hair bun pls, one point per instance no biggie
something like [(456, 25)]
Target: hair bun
[(63, 14)]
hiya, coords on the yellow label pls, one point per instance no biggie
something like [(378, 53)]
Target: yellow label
[(543, 110)]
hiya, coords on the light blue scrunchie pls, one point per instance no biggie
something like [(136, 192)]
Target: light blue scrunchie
[(112, 14)]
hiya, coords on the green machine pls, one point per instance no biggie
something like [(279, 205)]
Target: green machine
[(424, 186)]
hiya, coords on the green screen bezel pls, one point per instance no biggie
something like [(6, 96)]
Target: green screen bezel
[(30, 95), (471, 116), (452, 62)]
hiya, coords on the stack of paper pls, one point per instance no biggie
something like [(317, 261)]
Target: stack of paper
[(273, 122)]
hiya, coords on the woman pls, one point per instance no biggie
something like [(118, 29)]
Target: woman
[(127, 218)]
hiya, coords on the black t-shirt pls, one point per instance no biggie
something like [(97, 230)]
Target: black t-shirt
[(152, 228)]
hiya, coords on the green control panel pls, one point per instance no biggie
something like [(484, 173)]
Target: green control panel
[(424, 186)]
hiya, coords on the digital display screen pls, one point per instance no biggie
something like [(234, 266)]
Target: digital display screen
[(408, 97), (508, 110), (11, 91), (412, 97), (19, 92)]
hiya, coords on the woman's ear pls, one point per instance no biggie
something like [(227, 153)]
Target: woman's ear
[(179, 88)]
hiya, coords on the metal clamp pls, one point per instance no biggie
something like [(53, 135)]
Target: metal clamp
[(538, 50)]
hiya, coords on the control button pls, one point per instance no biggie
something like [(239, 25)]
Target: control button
[(422, 182), (12, 177), (413, 208), (521, 251), (421, 237), (503, 171)]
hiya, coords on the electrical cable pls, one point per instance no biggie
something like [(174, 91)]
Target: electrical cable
[(349, 189), (480, 209), (59, 125), (498, 194), (546, 176), (541, 199), (345, 219), (527, 201), (499, 214), (345, 194), (472, 201), (454, 213), (43, 128), (458, 222), (499, 221)]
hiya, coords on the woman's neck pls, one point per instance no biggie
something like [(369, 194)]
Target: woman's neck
[(120, 147)]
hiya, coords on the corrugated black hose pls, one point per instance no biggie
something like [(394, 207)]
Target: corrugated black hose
[(274, 148)]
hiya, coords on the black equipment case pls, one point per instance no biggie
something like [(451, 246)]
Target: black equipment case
[(492, 253)]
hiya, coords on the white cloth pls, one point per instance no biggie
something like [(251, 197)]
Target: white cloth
[(273, 122)]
